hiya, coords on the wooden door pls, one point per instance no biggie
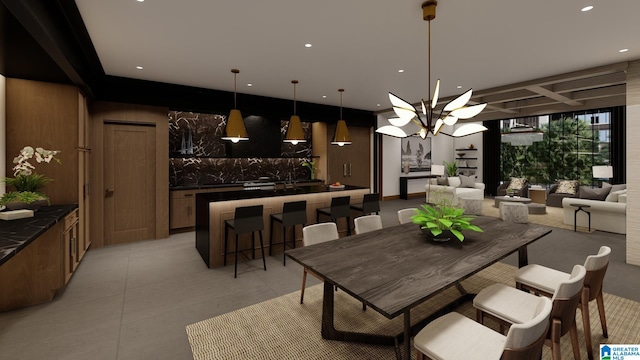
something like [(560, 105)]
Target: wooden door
[(350, 164), (129, 183)]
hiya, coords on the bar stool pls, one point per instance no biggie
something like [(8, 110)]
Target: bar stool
[(370, 204), (247, 219), (339, 209), (293, 213)]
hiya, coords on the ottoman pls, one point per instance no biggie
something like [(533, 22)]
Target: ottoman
[(514, 212), (471, 206), (537, 209)]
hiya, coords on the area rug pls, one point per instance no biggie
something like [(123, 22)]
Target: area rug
[(282, 328)]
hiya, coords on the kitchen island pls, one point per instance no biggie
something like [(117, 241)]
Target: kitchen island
[(212, 209)]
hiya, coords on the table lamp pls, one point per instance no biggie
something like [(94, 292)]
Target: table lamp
[(603, 172)]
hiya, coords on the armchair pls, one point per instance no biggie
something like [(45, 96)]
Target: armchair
[(555, 199), (522, 192)]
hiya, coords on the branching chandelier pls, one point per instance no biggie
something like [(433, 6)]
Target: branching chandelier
[(403, 125)]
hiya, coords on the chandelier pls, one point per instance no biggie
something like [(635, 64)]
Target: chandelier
[(431, 120)]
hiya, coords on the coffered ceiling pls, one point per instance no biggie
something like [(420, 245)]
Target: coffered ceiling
[(360, 45)]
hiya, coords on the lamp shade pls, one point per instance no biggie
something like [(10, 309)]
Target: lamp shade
[(603, 172), (295, 134), (341, 136), (235, 130), (437, 170)]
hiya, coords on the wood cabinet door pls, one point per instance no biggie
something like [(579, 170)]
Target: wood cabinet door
[(350, 164), (182, 211), (129, 183)]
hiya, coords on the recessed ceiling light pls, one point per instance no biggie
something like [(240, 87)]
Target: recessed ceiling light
[(249, 84), (139, 67), (401, 71), (459, 87), (140, 0), (623, 50), (378, 105), (307, 45), (587, 8), (324, 96)]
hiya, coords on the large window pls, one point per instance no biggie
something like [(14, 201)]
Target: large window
[(561, 146)]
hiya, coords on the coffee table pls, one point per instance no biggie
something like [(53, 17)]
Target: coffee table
[(499, 199), (394, 269)]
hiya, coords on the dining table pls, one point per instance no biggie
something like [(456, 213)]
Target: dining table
[(397, 268)]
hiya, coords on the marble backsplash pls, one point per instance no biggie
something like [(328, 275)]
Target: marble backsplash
[(208, 171)]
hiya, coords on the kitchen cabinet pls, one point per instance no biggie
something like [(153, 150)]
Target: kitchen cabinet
[(350, 164), (71, 245), (182, 209)]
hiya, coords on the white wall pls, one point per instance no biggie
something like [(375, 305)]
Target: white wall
[(3, 132)]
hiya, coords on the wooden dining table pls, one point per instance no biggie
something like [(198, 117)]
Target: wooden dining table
[(394, 269)]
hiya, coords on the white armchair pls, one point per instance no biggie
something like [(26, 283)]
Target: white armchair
[(452, 192)]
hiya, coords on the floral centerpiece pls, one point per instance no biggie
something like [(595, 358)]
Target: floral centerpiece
[(442, 218), (28, 184)]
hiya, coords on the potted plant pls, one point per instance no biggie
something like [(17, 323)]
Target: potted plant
[(451, 168), (312, 168), (28, 184), (442, 220)]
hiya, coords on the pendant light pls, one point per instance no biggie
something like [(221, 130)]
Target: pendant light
[(341, 136), (235, 130), (295, 134)]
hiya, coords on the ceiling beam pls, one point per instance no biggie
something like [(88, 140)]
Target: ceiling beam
[(552, 95)]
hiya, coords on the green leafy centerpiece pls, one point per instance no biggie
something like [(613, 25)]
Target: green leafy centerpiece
[(28, 184), (442, 219)]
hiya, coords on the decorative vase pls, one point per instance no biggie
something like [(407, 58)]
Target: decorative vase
[(442, 237)]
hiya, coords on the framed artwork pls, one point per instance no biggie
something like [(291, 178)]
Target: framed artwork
[(415, 154)]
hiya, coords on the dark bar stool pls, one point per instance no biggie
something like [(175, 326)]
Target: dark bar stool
[(293, 213), (370, 204), (247, 219), (339, 209)]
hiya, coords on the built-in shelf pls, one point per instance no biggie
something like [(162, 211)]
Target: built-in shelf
[(474, 149), (467, 167), (466, 158)]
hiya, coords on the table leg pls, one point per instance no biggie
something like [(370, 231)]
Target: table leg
[(523, 258), (407, 334), (575, 219)]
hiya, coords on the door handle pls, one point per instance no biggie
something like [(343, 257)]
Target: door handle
[(108, 193), (344, 169), (349, 169)]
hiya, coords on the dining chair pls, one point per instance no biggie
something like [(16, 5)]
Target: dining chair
[(247, 219), (339, 209), (370, 204), (508, 305), (543, 280), (456, 337), (404, 215), (367, 223), (293, 213), (315, 234)]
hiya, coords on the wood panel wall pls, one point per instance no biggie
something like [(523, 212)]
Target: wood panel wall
[(134, 114), (633, 163), (45, 115)]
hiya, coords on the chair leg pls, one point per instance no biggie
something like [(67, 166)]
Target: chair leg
[(584, 309), (253, 245), (348, 226), (284, 242), (226, 234), (573, 331), (556, 329), (304, 283), (235, 265), (264, 261), (479, 316), (603, 319)]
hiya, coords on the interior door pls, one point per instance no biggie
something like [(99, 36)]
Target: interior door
[(129, 180), (350, 164)]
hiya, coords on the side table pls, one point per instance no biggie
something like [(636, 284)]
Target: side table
[(538, 195), (580, 207)]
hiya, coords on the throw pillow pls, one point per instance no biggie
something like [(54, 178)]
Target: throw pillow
[(517, 183), (433, 181), (454, 181), (594, 194), (614, 195), (442, 181), (617, 187), (567, 187), (467, 181)]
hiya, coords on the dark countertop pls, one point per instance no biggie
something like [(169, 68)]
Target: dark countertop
[(215, 186), (253, 194), (15, 235)]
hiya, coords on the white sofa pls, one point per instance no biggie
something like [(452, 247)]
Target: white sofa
[(605, 215), (437, 193)]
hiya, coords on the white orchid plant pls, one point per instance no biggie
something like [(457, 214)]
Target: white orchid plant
[(26, 182)]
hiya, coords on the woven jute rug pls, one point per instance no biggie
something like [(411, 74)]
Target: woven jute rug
[(282, 328)]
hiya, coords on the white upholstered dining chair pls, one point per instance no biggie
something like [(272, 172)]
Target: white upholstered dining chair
[(404, 215), (456, 337), (543, 280), (315, 234), (367, 223)]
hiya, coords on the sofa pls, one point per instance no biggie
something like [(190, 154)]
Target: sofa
[(555, 198), (456, 189), (609, 214), (521, 189)]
